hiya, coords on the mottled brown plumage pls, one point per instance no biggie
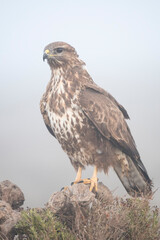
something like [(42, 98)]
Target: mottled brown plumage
[(88, 122)]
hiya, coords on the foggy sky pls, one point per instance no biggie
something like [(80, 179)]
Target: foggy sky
[(118, 41)]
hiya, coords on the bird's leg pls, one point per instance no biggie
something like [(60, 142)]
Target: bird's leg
[(78, 176), (94, 180)]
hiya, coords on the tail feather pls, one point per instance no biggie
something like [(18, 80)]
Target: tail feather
[(134, 180)]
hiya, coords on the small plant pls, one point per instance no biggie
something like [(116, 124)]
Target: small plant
[(42, 224), (143, 220), (117, 219)]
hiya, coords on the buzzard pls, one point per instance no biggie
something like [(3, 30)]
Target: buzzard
[(89, 123)]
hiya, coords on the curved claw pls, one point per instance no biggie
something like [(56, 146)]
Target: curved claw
[(64, 188)]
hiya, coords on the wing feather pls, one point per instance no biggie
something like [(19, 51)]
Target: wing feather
[(93, 86), (109, 118), (45, 117)]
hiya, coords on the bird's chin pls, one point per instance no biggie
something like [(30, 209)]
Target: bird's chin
[(51, 61), (54, 62)]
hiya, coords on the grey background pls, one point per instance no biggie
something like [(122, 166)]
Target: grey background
[(120, 43)]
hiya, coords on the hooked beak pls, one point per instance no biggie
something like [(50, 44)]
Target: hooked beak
[(45, 56)]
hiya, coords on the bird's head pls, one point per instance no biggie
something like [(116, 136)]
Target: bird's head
[(58, 54)]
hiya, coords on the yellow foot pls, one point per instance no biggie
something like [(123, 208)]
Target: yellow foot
[(75, 182), (92, 181), (94, 184)]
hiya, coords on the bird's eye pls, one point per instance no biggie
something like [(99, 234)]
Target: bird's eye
[(59, 50)]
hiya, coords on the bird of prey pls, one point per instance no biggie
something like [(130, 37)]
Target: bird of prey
[(89, 123)]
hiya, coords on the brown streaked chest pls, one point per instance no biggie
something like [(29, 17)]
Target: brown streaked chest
[(65, 115)]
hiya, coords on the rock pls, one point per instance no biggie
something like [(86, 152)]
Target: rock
[(11, 194), (8, 218), (11, 198), (78, 193), (77, 207)]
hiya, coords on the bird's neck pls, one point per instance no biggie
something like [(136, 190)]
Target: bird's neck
[(57, 74), (65, 72), (71, 75)]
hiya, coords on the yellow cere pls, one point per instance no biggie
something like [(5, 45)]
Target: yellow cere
[(46, 51)]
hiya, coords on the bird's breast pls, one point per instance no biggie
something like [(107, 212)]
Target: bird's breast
[(65, 115)]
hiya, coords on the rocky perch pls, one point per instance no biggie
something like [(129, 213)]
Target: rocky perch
[(75, 213), (69, 205), (11, 199)]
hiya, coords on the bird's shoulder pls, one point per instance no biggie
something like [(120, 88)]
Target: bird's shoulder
[(91, 90)]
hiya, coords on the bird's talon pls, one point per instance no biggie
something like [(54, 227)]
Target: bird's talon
[(64, 188), (80, 181), (94, 183)]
